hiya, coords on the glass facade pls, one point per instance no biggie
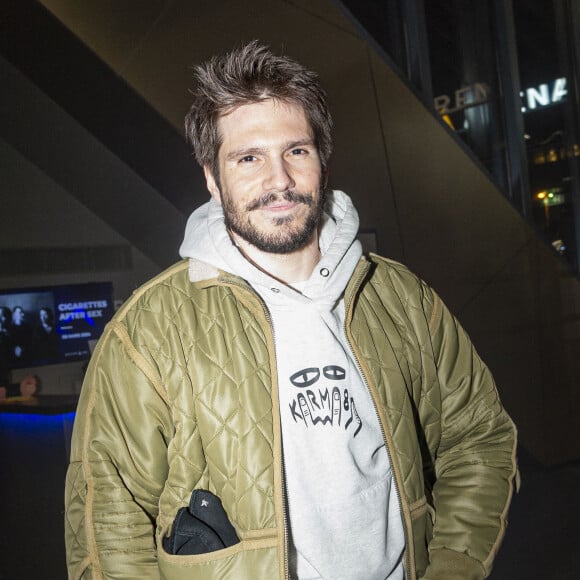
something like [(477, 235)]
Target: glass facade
[(466, 86), (545, 59), (504, 76)]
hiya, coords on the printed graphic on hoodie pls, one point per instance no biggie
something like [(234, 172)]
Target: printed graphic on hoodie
[(323, 400)]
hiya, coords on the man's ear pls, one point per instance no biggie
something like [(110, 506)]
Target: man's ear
[(211, 184)]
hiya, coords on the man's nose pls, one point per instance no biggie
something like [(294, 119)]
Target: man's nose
[(278, 177)]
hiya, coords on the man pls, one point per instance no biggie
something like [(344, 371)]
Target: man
[(21, 335), (30, 384), (329, 401), (45, 338)]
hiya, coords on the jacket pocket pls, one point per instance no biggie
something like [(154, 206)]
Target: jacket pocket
[(201, 527), (250, 559)]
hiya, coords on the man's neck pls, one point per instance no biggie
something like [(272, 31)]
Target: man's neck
[(288, 268)]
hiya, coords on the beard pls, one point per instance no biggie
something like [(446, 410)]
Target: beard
[(291, 233)]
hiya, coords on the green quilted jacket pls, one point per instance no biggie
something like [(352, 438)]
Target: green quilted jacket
[(181, 393)]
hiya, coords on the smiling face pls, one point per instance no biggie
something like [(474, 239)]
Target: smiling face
[(270, 176)]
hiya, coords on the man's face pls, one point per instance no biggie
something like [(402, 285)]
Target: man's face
[(270, 176), (18, 316)]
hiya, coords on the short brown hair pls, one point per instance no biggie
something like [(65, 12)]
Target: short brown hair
[(250, 74)]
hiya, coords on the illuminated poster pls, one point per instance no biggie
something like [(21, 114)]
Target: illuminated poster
[(51, 325)]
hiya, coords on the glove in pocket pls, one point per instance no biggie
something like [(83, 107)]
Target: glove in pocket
[(201, 527)]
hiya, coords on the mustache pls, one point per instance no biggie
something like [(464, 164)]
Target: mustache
[(288, 195)]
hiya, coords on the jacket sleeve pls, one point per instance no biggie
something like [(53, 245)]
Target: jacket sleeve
[(118, 465), (474, 458)]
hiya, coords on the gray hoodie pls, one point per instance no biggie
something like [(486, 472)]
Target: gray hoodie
[(344, 515)]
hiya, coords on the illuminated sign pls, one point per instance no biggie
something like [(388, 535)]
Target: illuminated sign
[(544, 95), (468, 96), (533, 98)]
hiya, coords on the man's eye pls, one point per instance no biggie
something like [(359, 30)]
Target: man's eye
[(298, 151), (247, 159)]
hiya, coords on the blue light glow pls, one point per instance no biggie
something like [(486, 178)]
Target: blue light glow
[(30, 422)]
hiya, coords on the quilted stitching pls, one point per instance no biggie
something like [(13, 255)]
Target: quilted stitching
[(208, 347), (227, 398)]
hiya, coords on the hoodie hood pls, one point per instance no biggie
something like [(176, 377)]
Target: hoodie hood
[(207, 243)]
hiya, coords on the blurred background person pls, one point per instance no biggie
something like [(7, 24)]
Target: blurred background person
[(21, 335), (29, 386), (44, 339), (5, 323)]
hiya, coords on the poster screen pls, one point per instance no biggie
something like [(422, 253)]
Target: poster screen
[(56, 324)]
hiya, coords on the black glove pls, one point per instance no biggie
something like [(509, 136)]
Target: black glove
[(200, 528)]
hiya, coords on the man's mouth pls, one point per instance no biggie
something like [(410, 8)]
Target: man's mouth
[(280, 202), (280, 206)]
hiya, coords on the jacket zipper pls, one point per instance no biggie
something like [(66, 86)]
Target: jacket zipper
[(268, 317), (283, 466), (407, 562), (285, 518)]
